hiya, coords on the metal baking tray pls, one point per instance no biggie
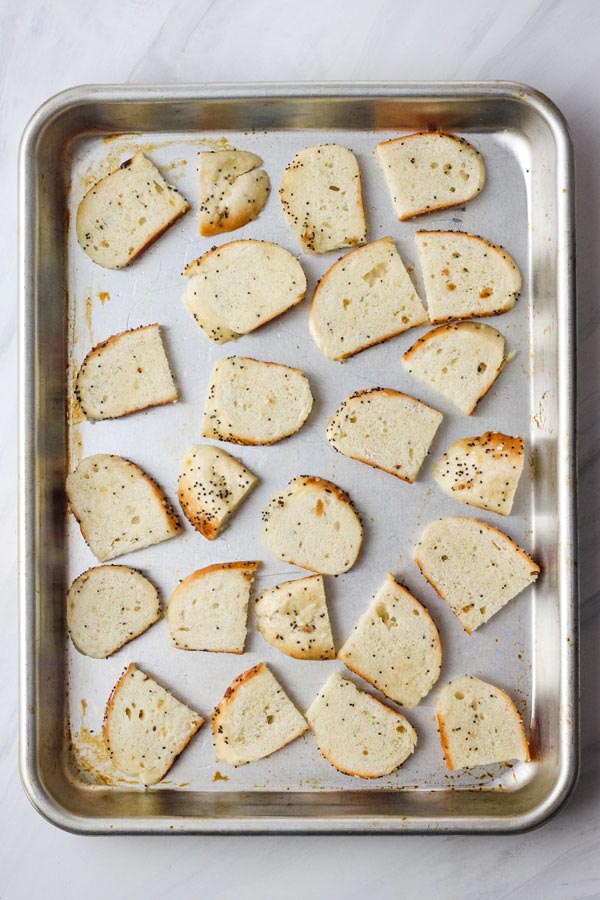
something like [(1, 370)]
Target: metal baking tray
[(68, 304)]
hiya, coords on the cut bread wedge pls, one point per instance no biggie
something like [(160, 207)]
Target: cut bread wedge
[(236, 288), (474, 567), (107, 607), (212, 485), (126, 211), (118, 506), (233, 190), (483, 471), (479, 725), (254, 719), (461, 362), (466, 276), (313, 524), (322, 198), (430, 171), (385, 429), (127, 372), (254, 402), (208, 610), (145, 727), (293, 618), (395, 645), (357, 733)]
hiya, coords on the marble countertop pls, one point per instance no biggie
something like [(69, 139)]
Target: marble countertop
[(552, 45)]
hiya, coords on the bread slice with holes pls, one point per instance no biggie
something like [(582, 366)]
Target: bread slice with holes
[(118, 506), (366, 297), (357, 733), (430, 171), (237, 287), (483, 471), (312, 524), (466, 276), (146, 727), (385, 429), (255, 402), (474, 567), (479, 725), (233, 190), (254, 719), (107, 607), (126, 211), (395, 645), (208, 610), (293, 618), (127, 372), (321, 197), (461, 362)]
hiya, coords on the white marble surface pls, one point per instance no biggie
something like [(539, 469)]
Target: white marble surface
[(47, 46)]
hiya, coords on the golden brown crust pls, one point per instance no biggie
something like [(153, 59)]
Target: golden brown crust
[(232, 690), (231, 222), (444, 743)]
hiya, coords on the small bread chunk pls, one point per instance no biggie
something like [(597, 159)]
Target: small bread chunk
[(357, 733), (461, 362), (385, 429), (108, 606), (254, 719), (466, 276), (236, 288), (322, 198), (312, 524), (474, 567), (209, 609), (395, 645), (430, 171), (254, 402), (482, 471), (365, 298), (479, 725), (293, 618), (126, 211), (145, 727), (128, 372), (118, 506), (212, 485), (233, 190)]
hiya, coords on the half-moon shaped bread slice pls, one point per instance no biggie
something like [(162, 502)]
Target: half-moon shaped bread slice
[(366, 297), (313, 524), (293, 618), (233, 190), (461, 362), (254, 719), (322, 198), (479, 725), (474, 567), (126, 211), (236, 288), (429, 171), (208, 610), (466, 276), (483, 471), (118, 506), (145, 727), (255, 402), (385, 429), (357, 733), (108, 606), (395, 645), (212, 485)]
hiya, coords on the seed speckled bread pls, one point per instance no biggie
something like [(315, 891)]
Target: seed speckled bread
[(233, 190), (293, 618), (395, 645), (357, 733), (474, 567), (255, 402), (126, 211)]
